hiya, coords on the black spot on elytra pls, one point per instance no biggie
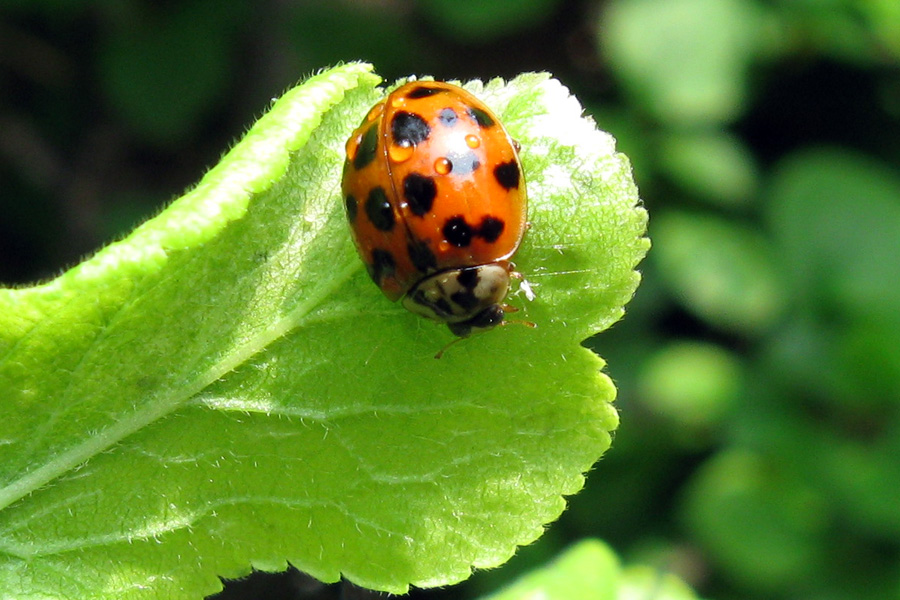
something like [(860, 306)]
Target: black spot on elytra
[(457, 232), (365, 153), (448, 117), (491, 228), (419, 192), (463, 164), (383, 265), (422, 257), (379, 210), (483, 119), (351, 206), (507, 174), (409, 129), (423, 91)]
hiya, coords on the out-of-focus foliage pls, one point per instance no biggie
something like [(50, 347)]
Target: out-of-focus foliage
[(759, 365)]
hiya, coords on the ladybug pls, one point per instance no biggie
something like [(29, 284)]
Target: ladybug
[(435, 196)]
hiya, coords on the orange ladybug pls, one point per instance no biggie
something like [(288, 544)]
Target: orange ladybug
[(435, 197)]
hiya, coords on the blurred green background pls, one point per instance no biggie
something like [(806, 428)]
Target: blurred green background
[(759, 364)]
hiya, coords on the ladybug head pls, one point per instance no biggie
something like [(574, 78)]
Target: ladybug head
[(467, 299)]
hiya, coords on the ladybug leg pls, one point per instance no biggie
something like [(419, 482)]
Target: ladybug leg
[(507, 309), (529, 293), (440, 352)]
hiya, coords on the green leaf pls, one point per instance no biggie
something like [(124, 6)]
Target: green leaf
[(759, 522), (686, 61), (225, 387), (642, 582), (161, 69), (862, 31), (589, 570), (693, 385), (712, 165), (884, 19), (722, 272), (483, 20), (836, 220)]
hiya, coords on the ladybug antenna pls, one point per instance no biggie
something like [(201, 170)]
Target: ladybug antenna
[(508, 308), (519, 322)]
